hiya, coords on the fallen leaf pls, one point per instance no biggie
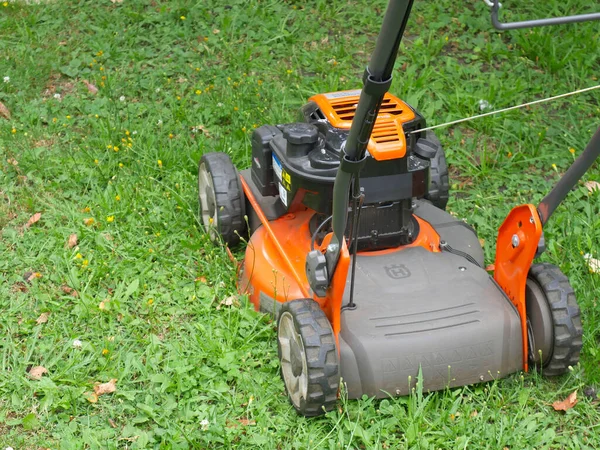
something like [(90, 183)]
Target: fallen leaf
[(229, 301), (112, 423), (567, 403), (30, 276), (231, 257), (592, 185), (116, 1), (481, 242), (593, 263), (244, 421), (91, 397), (72, 241), (12, 161), (91, 87), (33, 219), (89, 221), (106, 388), (43, 318), (37, 372), (201, 279), (4, 112), (69, 290), (490, 267)]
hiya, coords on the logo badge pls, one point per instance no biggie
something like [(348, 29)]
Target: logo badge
[(397, 271)]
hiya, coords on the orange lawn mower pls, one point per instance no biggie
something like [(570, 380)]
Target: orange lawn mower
[(369, 278)]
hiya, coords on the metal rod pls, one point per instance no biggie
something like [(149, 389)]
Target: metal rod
[(570, 178), (539, 22)]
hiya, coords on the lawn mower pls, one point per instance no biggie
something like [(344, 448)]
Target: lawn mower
[(369, 279)]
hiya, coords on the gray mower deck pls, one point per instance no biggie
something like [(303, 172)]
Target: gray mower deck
[(434, 311)]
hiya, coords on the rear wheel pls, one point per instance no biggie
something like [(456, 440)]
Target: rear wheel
[(553, 319), (221, 198), (308, 357)]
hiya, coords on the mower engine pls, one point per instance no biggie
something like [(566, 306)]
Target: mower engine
[(298, 163)]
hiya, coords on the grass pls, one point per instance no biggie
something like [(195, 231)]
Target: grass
[(143, 287)]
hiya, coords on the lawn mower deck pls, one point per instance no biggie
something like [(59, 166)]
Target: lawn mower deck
[(370, 280)]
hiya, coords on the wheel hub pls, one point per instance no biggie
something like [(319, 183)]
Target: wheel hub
[(296, 357), (293, 359)]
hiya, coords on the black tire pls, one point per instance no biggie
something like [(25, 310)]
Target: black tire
[(439, 181), (554, 320), (305, 334), (221, 198)]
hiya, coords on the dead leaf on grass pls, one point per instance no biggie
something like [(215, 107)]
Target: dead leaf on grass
[(69, 290), (90, 87), (592, 185), (91, 397), (4, 112), (201, 279), (37, 372), (30, 276), (43, 318), (112, 423), (229, 301), (244, 422), (72, 241), (567, 403), (106, 388), (33, 219)]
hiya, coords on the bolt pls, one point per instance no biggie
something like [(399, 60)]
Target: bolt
[(462, 268), (515, 241), (481, 377), (531, 220)]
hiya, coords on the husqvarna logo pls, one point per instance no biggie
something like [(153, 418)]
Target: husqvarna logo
[(397, 271)]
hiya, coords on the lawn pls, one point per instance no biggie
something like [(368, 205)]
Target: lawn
[(110, 105)]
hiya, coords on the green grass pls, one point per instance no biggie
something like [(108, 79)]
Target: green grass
[(177, 79)]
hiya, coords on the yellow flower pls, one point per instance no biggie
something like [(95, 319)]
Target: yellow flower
[(101, 69), (105, 351), (96, 161), (110, 219), (99, 53), (198, 92), (171, 136), (89, 221), (115, 148), (235, 108), (86, 209), (150, 301), (150, 250), (244, 129), (13, 131), (554, 166), (159, 162), (288, 71), (572, 151), (129, 145), (54, 119), (84, 263), (5, 4), (120, 164), (118, 198), (178, 97), (260, 82), (509, 154), (127, 133), (78, 256), (182, 17)]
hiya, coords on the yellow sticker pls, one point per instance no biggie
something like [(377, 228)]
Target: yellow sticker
[(286, 180)]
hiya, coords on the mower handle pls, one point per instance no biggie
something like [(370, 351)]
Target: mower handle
[(570, 178)]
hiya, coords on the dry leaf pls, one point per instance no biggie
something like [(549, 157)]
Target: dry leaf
[(91, 397), (201, 279), (37, 372), (482, 242), (593, 263), (12, 161), (30, 276), (567, 403), (69, 290), (231, 257), (229, 301), (244, 421), (490, 267), (106, 388), (112, 423), (4, 112), (43, 318), (72, 241), (91, 87), (116, 1), (33, 219), (592, 185)]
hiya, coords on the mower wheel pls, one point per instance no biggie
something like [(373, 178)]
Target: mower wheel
[(553, 319), (308, 357), (439, 182), (221, 198)]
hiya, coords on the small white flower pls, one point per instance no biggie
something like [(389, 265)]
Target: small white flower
[(8, 448), (7, 80), (159, 123), (134, 132), (484, 104), (122, 98), (77, 343), (157, 90), (220, 105), (204, 424), (57, 96)]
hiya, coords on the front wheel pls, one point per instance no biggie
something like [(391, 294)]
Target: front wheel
[(308, 357), (221, 198)]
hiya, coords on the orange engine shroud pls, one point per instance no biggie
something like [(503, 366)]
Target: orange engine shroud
[(387, 139)]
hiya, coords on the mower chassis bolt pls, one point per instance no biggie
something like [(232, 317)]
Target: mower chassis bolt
[(515, 241)]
